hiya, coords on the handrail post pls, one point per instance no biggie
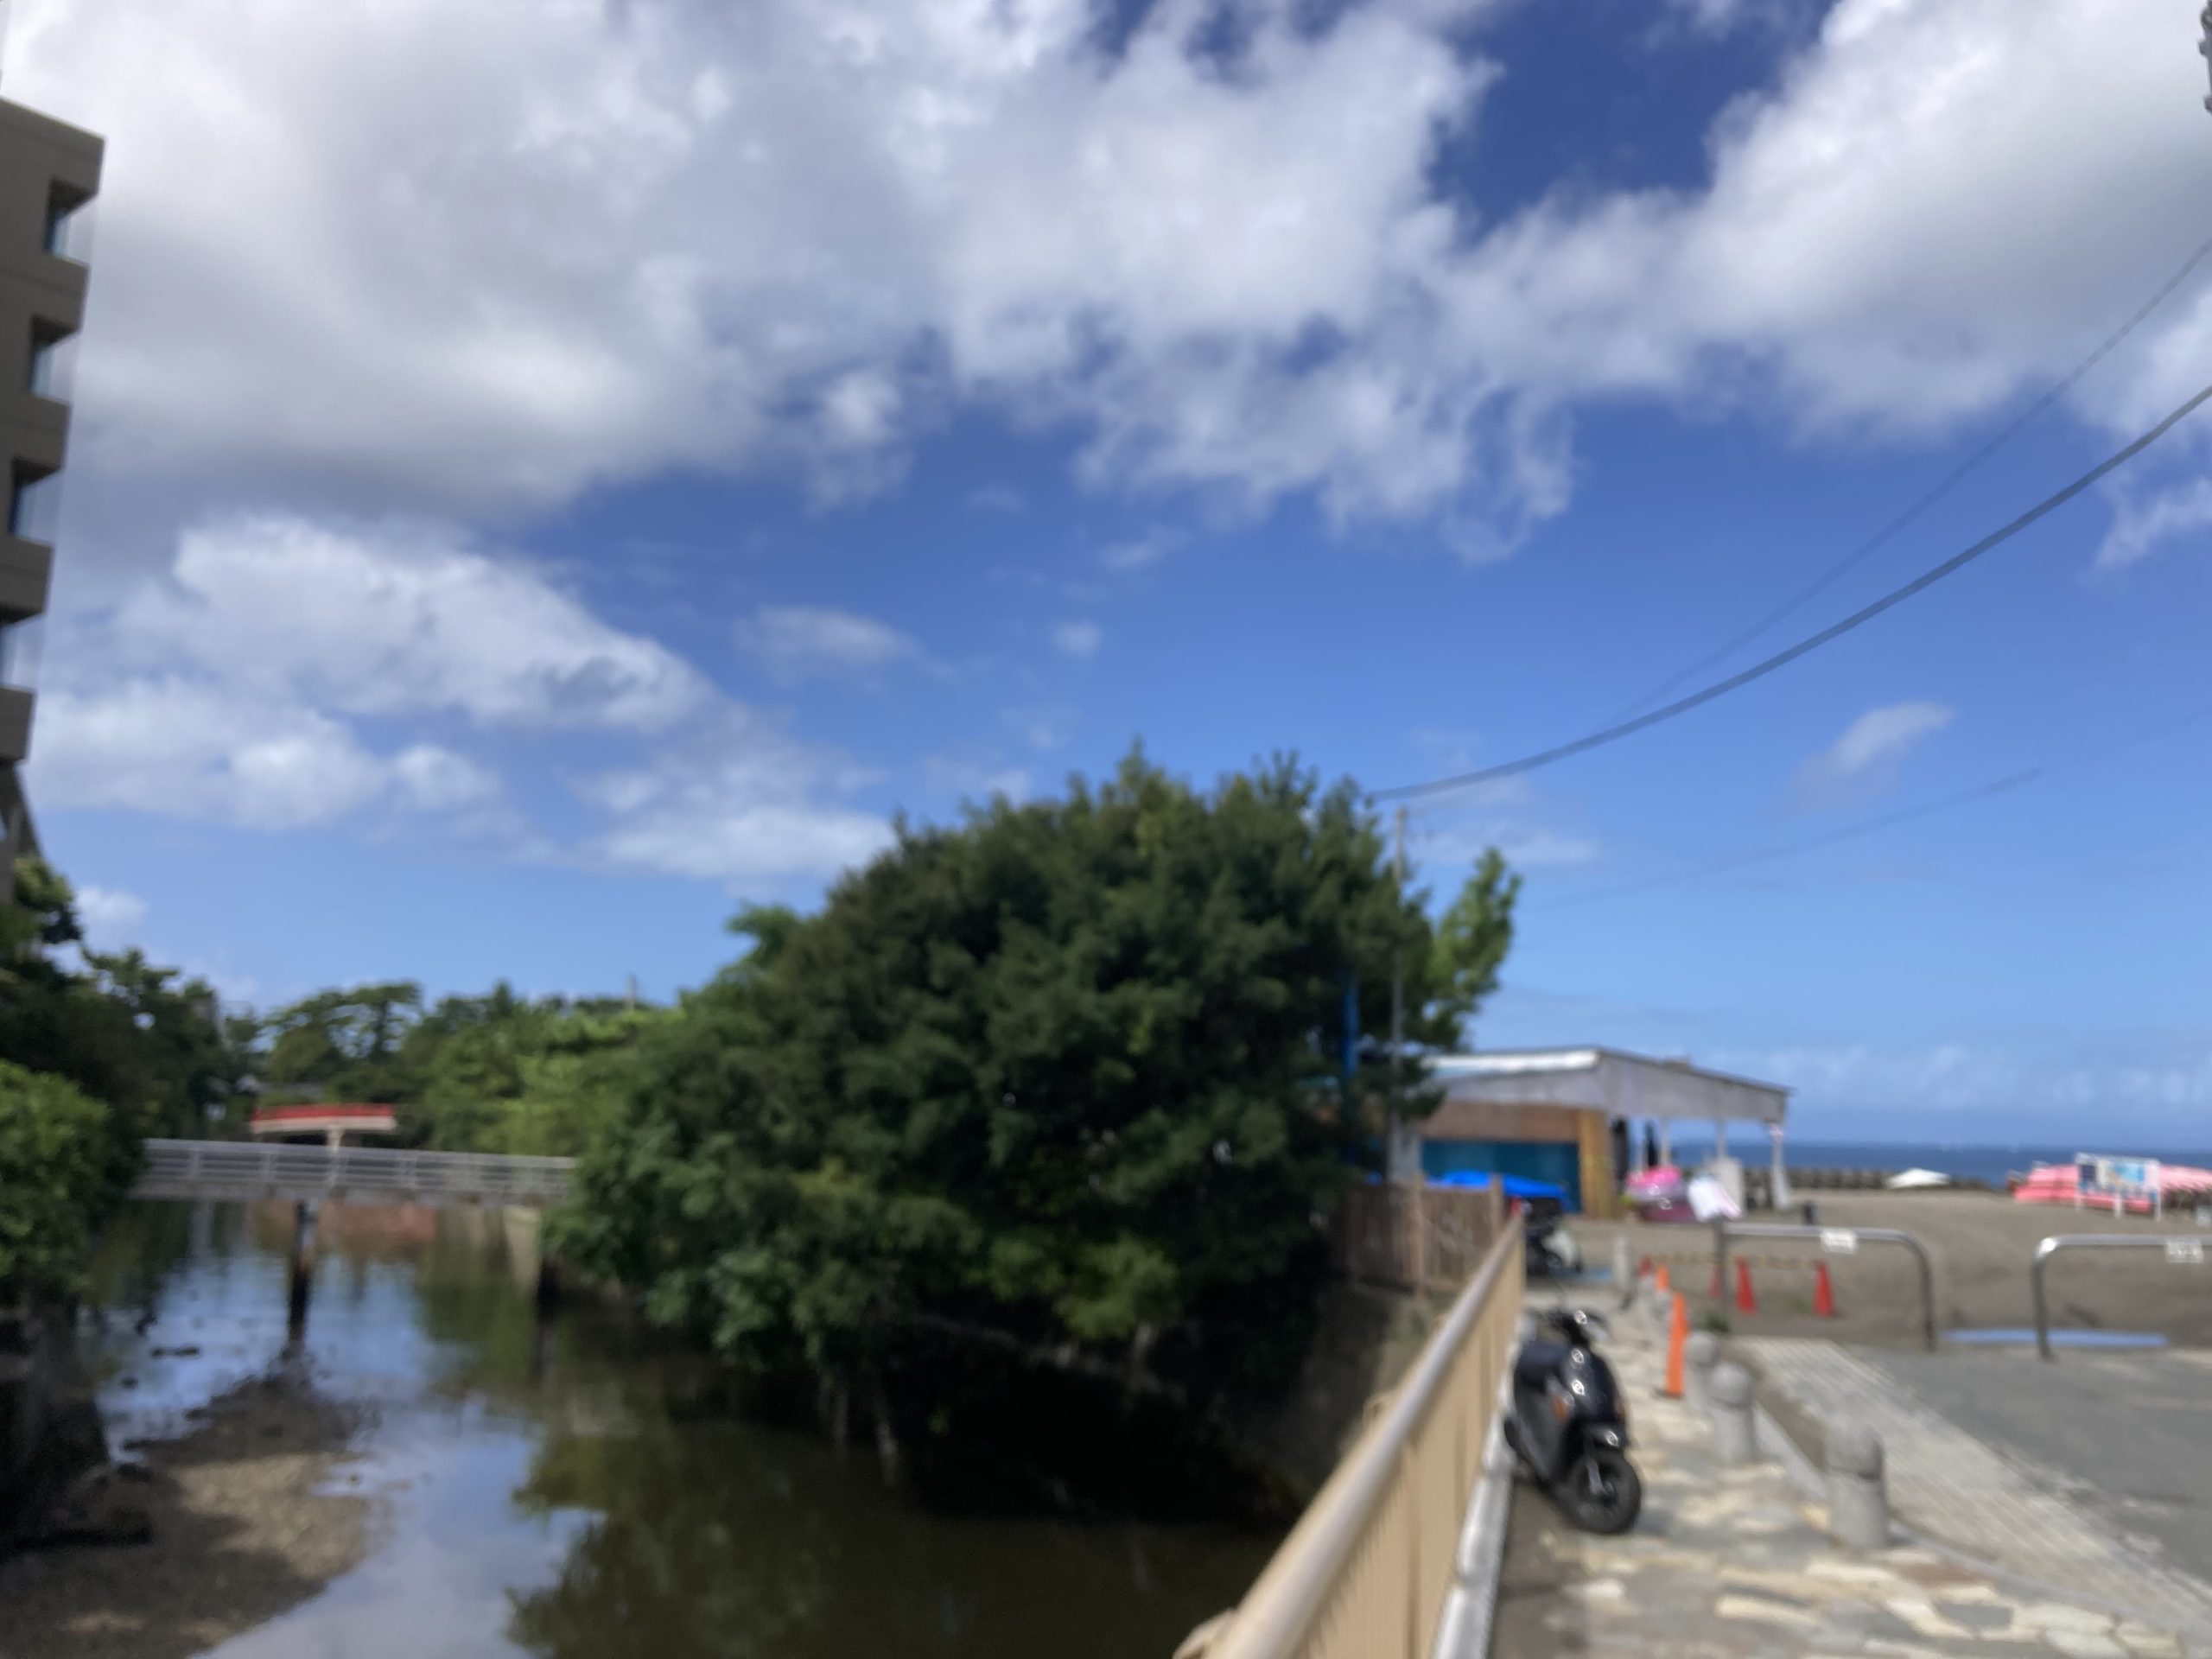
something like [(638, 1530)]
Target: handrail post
[(1927, 1287), (2045, 1251)]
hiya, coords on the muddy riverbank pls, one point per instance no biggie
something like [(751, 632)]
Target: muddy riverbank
[(246, 1513)]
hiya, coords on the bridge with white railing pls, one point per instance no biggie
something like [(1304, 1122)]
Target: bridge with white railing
[(312, 1174)]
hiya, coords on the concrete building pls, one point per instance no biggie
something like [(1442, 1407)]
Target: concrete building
[(1569, 1115), (49, 173)]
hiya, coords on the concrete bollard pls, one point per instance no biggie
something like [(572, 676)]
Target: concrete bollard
[(1733, 1439), (1700, 1356), (1623, 1268), (1859, 1503)]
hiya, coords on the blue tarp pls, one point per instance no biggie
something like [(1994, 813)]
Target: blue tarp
[(1516, 1186)]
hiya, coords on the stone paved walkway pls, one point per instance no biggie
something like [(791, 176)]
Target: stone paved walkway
[(1960, 1491), (1733, 1564)]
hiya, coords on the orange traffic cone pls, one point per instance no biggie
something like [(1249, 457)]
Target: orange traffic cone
[(1678, 1338), (1823, 1293), (1747, 1300), (1660, 1281)]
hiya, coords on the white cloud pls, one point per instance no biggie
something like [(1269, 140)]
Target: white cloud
[(1141, 552), (489, 224), (1448, 855), (1043, 730), (974, 777), (1080, 640), (1938, 205), (1511, 814), (489, 254), (438, 780), (996, 498), (794, 640), (740, 804), (241, 686), (110, 917), (1867, 759), (389, 619), (2145, 521), (189, 749), (1719, 17)]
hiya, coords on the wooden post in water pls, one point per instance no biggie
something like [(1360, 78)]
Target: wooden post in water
[(295, 1321)]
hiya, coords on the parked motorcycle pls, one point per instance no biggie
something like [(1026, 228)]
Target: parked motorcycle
[(1569, 1424)]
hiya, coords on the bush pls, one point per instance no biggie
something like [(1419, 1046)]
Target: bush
[(64, 1166)]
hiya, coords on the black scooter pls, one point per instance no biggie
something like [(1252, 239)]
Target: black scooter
[(1570, 1425)]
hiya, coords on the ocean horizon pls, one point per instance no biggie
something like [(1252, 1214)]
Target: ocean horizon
[(1964, 1160)]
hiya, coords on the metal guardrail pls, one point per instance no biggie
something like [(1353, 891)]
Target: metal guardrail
[(1365, 1572), (231, 1169), (2179, 1251), (1842, 1241)]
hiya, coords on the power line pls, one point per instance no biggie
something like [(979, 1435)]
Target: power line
[(1886, 820), (1782, 658), (1928, 497), (1810, 843)]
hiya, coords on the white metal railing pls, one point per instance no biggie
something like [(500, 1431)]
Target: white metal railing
[(231, 1169)]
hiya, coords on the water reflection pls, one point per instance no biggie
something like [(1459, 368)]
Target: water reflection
[(573, 1487)]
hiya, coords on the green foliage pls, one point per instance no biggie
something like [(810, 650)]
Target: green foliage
[(1472, 942), (343, 1045), (148, 1043), (1065, 1076), (493, 1073), (63, 1167)]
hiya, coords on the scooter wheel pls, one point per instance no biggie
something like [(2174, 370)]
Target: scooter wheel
[(1602, 1492)]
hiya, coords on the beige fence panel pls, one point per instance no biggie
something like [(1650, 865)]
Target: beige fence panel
[(1414, 1236), (1364, 1572)]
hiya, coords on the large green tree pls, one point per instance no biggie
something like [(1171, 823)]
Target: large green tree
[(1472, 942), (1067, 1078)]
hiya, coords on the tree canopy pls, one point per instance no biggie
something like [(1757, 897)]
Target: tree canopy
[(1071, 1077), (500, 1072)]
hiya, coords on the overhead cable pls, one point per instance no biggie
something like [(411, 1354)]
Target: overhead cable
[(1927, 499), (1758, 670)]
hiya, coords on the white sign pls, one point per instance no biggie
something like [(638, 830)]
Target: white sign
[(1838, 1241), (2185, 1252), (2126, 1175)]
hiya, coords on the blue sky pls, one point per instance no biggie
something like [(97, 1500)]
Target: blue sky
[(546, 473)]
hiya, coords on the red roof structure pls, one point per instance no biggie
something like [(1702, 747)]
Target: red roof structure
[(320, 1117)]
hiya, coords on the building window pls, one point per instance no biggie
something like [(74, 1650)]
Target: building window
[(20, 645), (65, 220), (52, 355), (31, 497)]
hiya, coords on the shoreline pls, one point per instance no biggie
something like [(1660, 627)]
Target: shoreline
[(244, 1513)]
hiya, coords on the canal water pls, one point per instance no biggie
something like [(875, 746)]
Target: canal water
[(576, 1486)]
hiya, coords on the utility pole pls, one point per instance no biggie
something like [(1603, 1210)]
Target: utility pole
[(1393, 1157), (2204, 46)]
